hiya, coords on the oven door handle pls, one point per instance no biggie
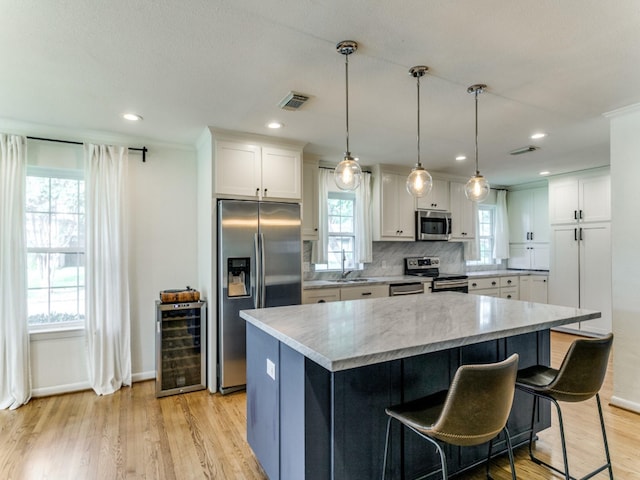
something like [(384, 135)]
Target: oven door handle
[(449, 284)]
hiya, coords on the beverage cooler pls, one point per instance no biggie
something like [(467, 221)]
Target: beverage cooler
[(180, 347)]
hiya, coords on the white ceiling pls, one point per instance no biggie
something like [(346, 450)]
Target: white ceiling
[(552, 66)]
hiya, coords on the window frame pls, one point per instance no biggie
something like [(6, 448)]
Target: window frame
[(350, 255), (491, 237), (80, 283)]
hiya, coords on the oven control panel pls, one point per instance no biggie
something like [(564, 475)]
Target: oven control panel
[(421, 265)]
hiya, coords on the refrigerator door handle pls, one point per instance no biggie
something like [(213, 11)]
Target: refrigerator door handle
[(256, 297), (263, 286)]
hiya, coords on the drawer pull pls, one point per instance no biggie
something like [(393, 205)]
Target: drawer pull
[(365, 294)]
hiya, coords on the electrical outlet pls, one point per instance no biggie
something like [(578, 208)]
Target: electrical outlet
[(271, 369)]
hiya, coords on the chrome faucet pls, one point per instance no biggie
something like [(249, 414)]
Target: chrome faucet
[(344, 274)]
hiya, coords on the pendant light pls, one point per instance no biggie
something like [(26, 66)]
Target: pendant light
[(348, 172), (419, 181), (477, 188)]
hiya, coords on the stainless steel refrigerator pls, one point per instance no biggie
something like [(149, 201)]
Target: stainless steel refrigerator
[(259, 265)]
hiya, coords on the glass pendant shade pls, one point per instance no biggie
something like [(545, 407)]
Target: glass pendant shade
[(477, 188), (348, 174), (419, 182)]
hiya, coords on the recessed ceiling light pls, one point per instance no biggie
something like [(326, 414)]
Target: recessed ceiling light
[(545, 172), (132, 117), (275, 125), (537, 136), (460, 158)]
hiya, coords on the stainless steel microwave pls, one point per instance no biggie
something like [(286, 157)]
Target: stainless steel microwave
[(433, 225)]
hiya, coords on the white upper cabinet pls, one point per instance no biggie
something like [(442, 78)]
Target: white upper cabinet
[(257, 170), (393, 207), (580, 198), (528, 215), (310, 227), (438, 198), (464, 213)]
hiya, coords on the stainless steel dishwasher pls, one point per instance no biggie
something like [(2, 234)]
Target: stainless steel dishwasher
[(410, 288)]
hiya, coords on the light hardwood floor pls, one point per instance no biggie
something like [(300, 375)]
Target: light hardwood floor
[(131, 434)]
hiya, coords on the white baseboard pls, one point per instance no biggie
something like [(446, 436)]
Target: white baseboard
[(626, 404), (80, 386), (59, 389)]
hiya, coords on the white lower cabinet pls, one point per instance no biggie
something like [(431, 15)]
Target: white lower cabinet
[(504, 287), (359, 292), (489, 286), (533, 288), (321, 295)]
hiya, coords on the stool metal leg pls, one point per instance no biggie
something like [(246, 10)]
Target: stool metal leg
[(509, 451), (386, 447), (563, 443)]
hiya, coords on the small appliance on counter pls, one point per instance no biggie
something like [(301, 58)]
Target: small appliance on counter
[(430, 267)]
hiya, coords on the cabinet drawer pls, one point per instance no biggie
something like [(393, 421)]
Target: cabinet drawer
[(510, 292), (321, 295), (364, 291), (482, 283), (509, 281), (489, 292)]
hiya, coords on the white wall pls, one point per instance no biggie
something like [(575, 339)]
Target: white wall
[(625, 231), (162, 249)]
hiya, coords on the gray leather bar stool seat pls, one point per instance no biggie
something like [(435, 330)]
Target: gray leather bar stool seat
[(579, 378), (473, 411)]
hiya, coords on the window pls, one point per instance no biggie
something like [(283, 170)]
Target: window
[(341, 231), (486, 222), (55, 248)]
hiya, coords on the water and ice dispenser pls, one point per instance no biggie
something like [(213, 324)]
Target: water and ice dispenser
[(238, 277)]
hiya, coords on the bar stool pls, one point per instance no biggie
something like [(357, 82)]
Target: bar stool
[(473, 411), (579, 378)]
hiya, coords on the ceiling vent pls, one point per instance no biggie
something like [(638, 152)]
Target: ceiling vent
[(293, 101), (520, 151)]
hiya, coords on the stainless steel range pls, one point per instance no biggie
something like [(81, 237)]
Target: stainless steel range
[(430, 267)]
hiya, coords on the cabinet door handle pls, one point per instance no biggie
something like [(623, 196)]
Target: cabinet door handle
[(474, 284), (322, 300), (257, 192), (366, 294), (575, 234), (493, 283), (315, 229), (580, 233), (509, 282), (265, 192), (581, 215), (575, 214), (531, 236), (508, 296)]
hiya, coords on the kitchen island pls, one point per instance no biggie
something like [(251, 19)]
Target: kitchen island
[(320, 376)]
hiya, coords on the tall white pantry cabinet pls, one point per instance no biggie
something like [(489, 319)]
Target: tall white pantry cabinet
[(580, 269)]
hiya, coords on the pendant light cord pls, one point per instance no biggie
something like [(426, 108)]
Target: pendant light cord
[(346, 76), (476, 95), (418, 83)]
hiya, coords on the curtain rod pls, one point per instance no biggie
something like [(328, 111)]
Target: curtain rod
[(144, 150)]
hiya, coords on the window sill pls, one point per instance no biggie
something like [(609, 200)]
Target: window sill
[(56, 333)]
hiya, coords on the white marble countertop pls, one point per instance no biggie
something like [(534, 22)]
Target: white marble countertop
[(343, 335)]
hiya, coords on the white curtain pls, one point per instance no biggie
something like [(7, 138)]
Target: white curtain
[(364, 237), (501, 232), (15, 371), (320, 247), (107, 283)]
